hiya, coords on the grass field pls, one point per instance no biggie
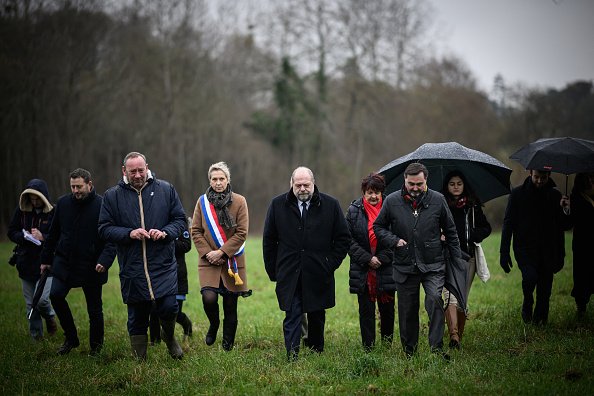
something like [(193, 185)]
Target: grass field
[(499, 355)]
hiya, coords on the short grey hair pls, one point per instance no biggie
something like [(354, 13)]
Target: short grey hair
[(133, 154), (220, 166), (311, 175)]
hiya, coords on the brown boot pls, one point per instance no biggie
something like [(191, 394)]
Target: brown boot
[(461, 323), (452, 322)]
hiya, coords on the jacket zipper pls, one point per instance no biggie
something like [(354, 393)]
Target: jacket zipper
[(146, 274)]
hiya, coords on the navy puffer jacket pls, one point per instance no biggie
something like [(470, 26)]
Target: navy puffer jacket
[(27, 217), (148, 269), (360, 253)]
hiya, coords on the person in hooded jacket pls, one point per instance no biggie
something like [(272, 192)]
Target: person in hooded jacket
[(77, 257), (143, 216), (32, 219), (536, 221), (370, 274)]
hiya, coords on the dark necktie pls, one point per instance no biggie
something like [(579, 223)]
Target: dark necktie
[(303, 214)]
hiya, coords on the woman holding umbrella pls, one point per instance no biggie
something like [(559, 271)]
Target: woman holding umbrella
[(219, 231), (472, 226), (581, 205), (370, 274)]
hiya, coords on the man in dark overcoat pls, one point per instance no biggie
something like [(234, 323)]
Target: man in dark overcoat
[(535, 219), (305, 239), (412, 221), (143, 215), (77, 257)]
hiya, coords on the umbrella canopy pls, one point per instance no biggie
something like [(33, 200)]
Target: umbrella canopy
[(562, 155), (39, 290), (488, 177)]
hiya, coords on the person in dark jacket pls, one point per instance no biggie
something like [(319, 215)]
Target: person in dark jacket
[(370, 274), (31, 222), (183, 245), (305, 239), (77, 257), (143, 216), (535, 219), (411, 222), (472, 226), (580, 205)]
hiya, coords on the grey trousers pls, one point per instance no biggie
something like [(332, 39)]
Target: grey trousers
[(408, 309)]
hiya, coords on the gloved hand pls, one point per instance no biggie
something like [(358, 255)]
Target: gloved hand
[(506, 262)]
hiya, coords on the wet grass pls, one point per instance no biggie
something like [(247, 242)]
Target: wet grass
[(499, 355)]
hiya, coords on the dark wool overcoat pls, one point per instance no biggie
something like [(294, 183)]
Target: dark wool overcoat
[(535, 219), (26, 217), (73, 247), (312, 253), (360, 253), (148, 268)]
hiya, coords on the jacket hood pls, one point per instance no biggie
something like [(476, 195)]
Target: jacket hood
[(39, 188)]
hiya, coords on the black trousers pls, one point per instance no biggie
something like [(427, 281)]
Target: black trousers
[(367, 318), (292, 326), (139, 313), (541, 279), (92, 293)]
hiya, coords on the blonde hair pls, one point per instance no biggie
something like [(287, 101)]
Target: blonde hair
[(220, 166)]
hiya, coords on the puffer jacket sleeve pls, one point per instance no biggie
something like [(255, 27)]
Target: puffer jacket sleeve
[(177, 217), (358, 254)]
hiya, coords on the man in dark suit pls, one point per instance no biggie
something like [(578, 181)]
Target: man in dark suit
[(306, 237)]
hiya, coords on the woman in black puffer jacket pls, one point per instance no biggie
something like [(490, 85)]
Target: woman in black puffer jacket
[(370, 274)]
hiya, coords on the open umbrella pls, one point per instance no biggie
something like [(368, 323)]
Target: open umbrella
[(488, 177), (39, 290), (565, 155), (562, 155)]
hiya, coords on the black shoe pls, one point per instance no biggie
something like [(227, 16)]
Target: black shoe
[(441, 353), (187, 326), (526, 316), (67, 346), (454, 344)]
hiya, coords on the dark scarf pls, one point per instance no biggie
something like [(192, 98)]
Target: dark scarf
[(414, 202), (220, 201)]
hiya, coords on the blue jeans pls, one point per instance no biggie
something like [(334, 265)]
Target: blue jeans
[(43, 309)]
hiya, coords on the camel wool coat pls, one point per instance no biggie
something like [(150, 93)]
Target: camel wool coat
[(211, 275)]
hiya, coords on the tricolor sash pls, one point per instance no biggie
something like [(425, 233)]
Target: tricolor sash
[(219, 236)]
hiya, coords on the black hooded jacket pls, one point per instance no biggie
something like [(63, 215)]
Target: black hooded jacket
[(27, 217)]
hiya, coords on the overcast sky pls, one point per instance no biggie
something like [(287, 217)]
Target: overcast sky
[(545, 43)]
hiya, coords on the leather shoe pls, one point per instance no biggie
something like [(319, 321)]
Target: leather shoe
[(67, 346)]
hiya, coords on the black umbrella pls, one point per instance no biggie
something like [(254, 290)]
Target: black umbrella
[(488, 177), (39, 290), (562, 155), (456, 277)]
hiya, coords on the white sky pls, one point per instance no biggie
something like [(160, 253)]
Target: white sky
[(544, 43)]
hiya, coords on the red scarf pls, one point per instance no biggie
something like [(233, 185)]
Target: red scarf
[(372, 212)]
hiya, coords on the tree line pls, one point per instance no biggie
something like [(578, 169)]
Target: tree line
[(343, 87)]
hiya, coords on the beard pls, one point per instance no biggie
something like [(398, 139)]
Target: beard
[(304, 197)]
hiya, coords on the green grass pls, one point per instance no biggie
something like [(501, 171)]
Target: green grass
[(500, 354)]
